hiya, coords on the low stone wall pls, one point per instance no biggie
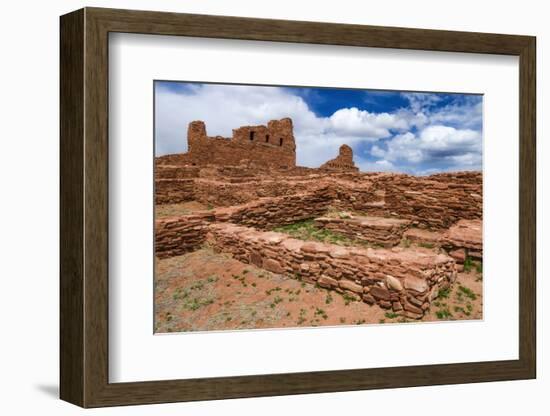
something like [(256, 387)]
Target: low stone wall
[(179, 235), (383, 231), (267, 213), (173, 191), (176, 171), (236, 191), (433, 203), (464, 239), (423, 237), (403, 280)]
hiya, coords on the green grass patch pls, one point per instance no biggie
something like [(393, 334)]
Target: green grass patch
[(467, 292), (444, 293), (443, 314), (468, 264), (347, 298), (321, 312), (307, 231), (391, 315)]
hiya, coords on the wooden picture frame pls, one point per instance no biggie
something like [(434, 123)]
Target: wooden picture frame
[(84, 207)]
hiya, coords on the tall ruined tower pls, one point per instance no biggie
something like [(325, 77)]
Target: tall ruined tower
[(342, 162), (196, 131)]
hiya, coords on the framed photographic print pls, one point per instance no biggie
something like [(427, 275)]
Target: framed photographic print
[(255, 207)]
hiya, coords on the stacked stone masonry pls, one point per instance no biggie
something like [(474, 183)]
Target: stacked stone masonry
[(387, 232), (179, 235), (433, 202), (404, 280), (272, 145)]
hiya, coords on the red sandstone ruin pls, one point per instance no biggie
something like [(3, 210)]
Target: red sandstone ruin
[(344, 161), (270, 146), (422, 228)]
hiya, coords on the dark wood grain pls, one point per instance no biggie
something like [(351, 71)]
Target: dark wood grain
[(84, 207), (71, 185)]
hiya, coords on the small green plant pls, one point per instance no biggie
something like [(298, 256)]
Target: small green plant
[(328, 299), (406, 243), (321, 312), (274, 289), (180, 294), (444, 293), (443, 314), (461, 309), (468, 264), (347, 298), (426, 245), (302, 316), (197, 303), (479, 267), (197, 285), (391, 315), (467, 292)]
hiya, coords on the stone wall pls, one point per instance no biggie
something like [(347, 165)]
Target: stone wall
[(464, 239), (267, 213), (180, 235), (272, 145), (403, 280), (165, 171), (227, 193), (386, 232), (434, 202), (173, 191)]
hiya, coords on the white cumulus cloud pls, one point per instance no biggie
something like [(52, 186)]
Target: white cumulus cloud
[(424, 136)]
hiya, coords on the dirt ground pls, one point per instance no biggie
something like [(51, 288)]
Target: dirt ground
[(205, 291)]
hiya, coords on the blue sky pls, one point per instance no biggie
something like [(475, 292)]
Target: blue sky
[(410, 132)]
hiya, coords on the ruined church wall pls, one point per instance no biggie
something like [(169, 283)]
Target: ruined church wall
[(273, 146)]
